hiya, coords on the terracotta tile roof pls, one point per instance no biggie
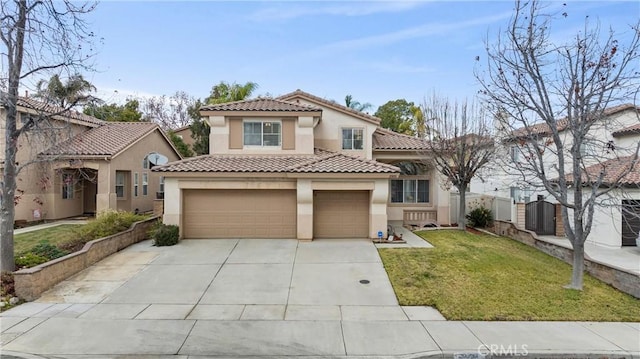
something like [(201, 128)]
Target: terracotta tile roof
[(261, 104), (321, 161), (106, 140), (299, 93), (49, 109), (631, 130), (613, 172), (543, 128), (384, 139)]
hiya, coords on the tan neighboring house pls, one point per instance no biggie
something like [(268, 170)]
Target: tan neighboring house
[(299, 166), (184, 133), (82, 165)]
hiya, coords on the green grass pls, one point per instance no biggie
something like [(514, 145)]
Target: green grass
[(481, 277), (54, 235)]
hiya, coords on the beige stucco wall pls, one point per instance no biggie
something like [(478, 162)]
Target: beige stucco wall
[(38, 186), (226, 136), (185, 134), (328, 133), (130, 160)]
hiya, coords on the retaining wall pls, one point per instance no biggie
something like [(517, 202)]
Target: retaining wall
[(30, 283), (618, 278)]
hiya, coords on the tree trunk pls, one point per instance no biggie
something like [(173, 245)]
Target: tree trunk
[(578, 265), (462, 208)]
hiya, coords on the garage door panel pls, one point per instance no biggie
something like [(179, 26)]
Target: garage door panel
[(239, 213), (341, 214)]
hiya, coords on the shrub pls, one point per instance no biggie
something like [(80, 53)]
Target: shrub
[(28, 260), (106, 223), (48, 250), (480, 217), (8, 287), (165, 235)]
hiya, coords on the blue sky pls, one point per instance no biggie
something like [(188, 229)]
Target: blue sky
[(375, 51)]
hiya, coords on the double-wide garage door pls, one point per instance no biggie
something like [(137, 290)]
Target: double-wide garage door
[(239, 213), (341, 214)]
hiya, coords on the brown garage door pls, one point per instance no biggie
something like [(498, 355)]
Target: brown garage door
[(341, 214), (239, 213), (630, 222)]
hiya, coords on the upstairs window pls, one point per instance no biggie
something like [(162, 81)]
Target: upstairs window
[(262, 133), (352, 138)]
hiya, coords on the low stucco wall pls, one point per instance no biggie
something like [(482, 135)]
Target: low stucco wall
[(30, 283), (618, 278)]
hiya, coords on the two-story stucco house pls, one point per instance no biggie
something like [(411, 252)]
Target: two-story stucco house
[(76, 164), (299, 166), (612, 139)]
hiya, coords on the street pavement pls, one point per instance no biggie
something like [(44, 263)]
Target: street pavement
[(270, 298)]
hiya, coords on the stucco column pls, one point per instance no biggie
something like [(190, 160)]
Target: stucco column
[(172, 203), (304, 135), (219, 135), (378, 207), (305, 209)]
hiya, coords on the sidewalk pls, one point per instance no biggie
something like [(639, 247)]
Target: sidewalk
[(627, 258), (51, 330), (49, 225)]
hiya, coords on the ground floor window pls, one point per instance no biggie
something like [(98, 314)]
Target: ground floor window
[(409, 191), (145, 184), (135, 184), (67, 185), (120, 184)]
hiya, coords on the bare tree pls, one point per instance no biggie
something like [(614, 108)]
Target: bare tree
[(461, 143), (170, 112), (553, 100), (41, 37)]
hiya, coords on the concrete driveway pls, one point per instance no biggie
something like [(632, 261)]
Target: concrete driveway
[(223, 297)]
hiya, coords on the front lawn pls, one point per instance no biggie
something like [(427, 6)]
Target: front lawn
[(24, 242), (481, 277)]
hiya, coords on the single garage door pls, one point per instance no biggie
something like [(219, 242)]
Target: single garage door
[(630, 222), (341, 214), (239, 213)]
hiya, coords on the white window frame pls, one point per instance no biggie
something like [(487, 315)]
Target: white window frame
[(120, 182), (145, 183), (67, 185), (262, 134), (145, 162), (161, 182), (352, 139), (415, 194), (135, 184)]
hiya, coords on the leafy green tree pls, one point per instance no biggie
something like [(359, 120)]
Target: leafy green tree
[(180, 145), (129, 112), (398, 115), (75, 91), (220, 93), (356, 105)]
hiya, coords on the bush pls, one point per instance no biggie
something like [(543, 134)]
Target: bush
[(28, 260), (165, 235), (48, 250), (106, 223), (8, 287), (480, 217)]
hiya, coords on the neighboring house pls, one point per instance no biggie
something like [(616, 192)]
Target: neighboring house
[(299, 166), (184, 133), (82, 165), (608, 146)]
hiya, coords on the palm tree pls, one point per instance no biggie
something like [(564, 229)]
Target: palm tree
[(355, 105), (75, 91), (418, 121), (226, 92)]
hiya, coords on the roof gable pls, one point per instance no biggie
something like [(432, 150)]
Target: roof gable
[(384, 139), (261, 104), (107, 140), (50, 109), (299, 94)]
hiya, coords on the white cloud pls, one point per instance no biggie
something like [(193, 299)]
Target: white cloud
[(289, 11), (425, 30)]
